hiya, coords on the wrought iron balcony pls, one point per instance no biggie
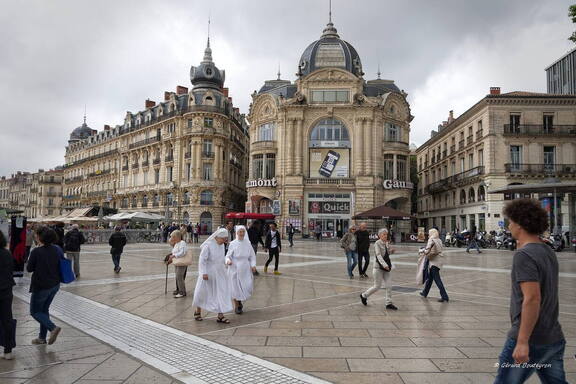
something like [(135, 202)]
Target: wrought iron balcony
[(461, 144), (187, 155), (145, 163), (539, 130), (452, 148), (541, 169), (125, 167), (479, 134), (156, 161), (169, 158), (135, 166), (144, 142), (460, 178), (208, 154), (469, 140)]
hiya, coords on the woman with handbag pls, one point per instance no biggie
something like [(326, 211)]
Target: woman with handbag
[(348, 242), (241, 261), (433, 252), (44, 264), (177, 257), (212, 291), (382, 270)]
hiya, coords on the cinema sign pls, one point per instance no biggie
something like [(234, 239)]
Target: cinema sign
[(262, 183), (397, 184)]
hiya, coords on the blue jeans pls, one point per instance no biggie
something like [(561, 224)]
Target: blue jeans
[(116, 260), (549, 356), (352, 260), (473, 241), (434, 276), (39, 309)]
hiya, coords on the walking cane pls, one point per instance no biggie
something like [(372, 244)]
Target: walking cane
[(166, 284)]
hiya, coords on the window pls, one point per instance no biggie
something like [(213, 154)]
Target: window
[(401, 167), (186, 198), (188, 171), (169, 174), (156, 176), (481, 193), (207, 171), (453, 168), (332, 131), (515, 157), (515, 123), (461, 164), (330, 96), (169, 199), (207, 146), (471, 161), (266, 132), (171, 127), (270, 166), (206, 198), (388, 167), (549, 158), (471, 195), (480, 157), (134, 202), (208, 122), (190, 123), (257, 166), (462, 197), (144, 201), (392, 132), (548, 123)]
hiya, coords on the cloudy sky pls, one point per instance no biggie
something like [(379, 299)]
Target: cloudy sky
[(56, 56)]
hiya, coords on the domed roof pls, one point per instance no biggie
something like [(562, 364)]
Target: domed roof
[(207, 75), (330, 51), (82, 132)]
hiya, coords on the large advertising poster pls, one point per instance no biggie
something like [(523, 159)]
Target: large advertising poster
[(329, 162)]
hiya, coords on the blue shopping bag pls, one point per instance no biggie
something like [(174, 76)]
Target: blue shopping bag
[(66, 273)]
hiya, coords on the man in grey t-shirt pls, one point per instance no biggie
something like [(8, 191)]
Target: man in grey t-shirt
[(535, 340)]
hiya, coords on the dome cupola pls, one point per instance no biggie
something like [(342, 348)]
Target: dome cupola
[(207, 75)]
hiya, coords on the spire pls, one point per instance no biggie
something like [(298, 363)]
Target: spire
[(278, 71), (208, 50), (84, 114), (330, 31), (378, 70)]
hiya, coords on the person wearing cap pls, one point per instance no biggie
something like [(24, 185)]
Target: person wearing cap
[(117, 241)]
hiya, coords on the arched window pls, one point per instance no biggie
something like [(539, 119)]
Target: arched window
[(471, 195), (206, 198), (134, 202), (267, 132), (481, 193), (330, 133), (462, 197)]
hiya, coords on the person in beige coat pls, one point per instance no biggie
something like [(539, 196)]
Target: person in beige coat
[(433, 252), (381, 270)]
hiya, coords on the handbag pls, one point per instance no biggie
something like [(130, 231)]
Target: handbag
[(183, 261), (66, 273)]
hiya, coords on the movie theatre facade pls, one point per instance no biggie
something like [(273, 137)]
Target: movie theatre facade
[(329, 145)]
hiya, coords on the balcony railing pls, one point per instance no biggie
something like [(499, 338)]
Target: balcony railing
[(135, 166), (206, 202), (208, 154), (169, 158), (539, 130), (145, 163), (99, 173), (125, 167), (94, 157), (73, 179), (461, 144), (187, 155), (448, 182), (156, 161), (48, 181), (444, 153), (479, 134), (452, 148), (144, 142), (541, 169), (469, 140)]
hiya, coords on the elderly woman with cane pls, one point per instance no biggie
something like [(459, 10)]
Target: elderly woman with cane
[(179, 258), (241, 260), (212, 291)]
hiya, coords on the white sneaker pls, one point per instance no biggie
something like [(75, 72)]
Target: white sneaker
[(178, 296), (9, 356)]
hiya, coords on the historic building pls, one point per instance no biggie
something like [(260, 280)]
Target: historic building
[(329, 145), (184, 157), (504, 139)]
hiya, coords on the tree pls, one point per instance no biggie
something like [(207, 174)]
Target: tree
[(572, 14)]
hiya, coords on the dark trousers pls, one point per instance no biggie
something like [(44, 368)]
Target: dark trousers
[(318, 237), (434, 276), (195, 237), (6, 321), (550, 356), (363, 256), (255, 247), (116, 260), (291, 239), (40, 309), (27, 253), (273, 252)]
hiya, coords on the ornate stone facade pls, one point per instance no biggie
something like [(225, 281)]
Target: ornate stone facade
[(184, 158), (330, 140), (504, 139)]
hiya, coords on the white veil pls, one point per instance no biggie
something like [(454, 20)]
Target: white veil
[(220, 232), (243, 245)]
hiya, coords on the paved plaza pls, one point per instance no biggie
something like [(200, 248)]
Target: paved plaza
[(305, 326)]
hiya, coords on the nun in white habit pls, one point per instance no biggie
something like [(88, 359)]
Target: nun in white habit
[(212, 291), (241, 261)]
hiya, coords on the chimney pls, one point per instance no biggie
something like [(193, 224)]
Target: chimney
[(149, 103), (166, 95), (180, 90), (451, 115), (106, 127), (494, 90), (225, 92)]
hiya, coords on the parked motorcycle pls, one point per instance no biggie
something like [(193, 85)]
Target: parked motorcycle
[(556, 242)]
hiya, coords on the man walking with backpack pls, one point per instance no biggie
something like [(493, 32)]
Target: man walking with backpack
[(73, 239), (117, 241)]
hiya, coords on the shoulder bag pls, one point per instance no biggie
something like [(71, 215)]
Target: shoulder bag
[(183, 261)]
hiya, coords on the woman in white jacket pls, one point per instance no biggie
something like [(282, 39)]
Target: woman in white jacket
[(433, 252), (179, 249), (212, 291), (241, 261)]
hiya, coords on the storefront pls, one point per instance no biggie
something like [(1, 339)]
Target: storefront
[(331, 211)]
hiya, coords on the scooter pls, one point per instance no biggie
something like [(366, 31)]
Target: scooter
[(448, 240)]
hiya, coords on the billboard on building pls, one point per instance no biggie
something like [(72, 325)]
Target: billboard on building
[(294, 207), (329, 162)]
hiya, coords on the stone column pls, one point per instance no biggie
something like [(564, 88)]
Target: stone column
[(217, 161), (198, 160), (368, 142), (299, 149), (376, 148), (289, 137), (395, 167), (357, 148)]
